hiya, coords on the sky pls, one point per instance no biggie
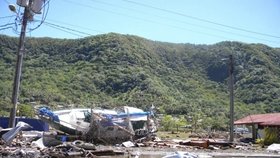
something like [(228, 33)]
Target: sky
[(175, 21)]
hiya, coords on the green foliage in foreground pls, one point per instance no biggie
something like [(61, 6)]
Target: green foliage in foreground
[(271, 135), (169, 123), (114, 70)]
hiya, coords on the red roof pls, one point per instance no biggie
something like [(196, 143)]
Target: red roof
[(271, 119)]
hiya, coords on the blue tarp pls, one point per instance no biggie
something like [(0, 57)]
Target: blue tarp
[(47, 112)]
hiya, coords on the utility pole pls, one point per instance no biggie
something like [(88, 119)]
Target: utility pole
[(231, 97), (20, 53)]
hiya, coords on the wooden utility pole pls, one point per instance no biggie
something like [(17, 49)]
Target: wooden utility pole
[(20, 53), (231, 97)]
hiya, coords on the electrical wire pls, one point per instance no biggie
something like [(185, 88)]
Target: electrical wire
[(172, 26), (5, 28), (184, 22), (18, 19), (44, 16), (70, 31), (5, 17), (142, 19), (66, 28), (7, 24), (200, 19), (76, 26)]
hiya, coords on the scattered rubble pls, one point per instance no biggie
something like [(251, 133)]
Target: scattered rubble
[(35, 144), (11, 134), (84, 136), (51, 144)]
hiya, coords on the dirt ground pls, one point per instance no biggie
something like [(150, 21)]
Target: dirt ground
[(147, 148), (159, 152)]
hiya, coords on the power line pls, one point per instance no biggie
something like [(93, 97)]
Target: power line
[(64, 29), (44, 8), (7, 24), (201, 26), (172, 26), (44, 16), (142, 12), (5, 28), (77, 26), (200, 19), (5, 17), (142, 19), (71, 31)]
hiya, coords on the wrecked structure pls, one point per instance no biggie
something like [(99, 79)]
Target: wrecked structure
[(102, 125), (17, 142), (269, 121)]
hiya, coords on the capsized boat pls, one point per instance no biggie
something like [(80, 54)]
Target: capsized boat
[(102, 125), (67, 121)]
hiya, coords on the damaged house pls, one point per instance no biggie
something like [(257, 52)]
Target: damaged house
[(269, 123)]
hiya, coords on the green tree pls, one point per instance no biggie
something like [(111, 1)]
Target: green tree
[(180, 122), (113, 70), (26, 110), (167, 122)]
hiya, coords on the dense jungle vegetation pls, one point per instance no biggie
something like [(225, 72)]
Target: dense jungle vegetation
[(114, 70)]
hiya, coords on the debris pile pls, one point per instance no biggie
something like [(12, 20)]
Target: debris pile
[(104, 126), (105, 130), (51, 144), (77, 132), (18, 143)]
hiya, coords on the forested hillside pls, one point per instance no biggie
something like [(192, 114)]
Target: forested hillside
[(114, 70)]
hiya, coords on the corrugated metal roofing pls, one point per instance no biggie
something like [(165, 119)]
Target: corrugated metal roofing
[(271, 119)]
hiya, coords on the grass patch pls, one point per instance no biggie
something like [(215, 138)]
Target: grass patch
[(174, 135)]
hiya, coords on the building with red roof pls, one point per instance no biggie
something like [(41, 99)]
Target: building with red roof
[(270, 119), (260, 121)]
